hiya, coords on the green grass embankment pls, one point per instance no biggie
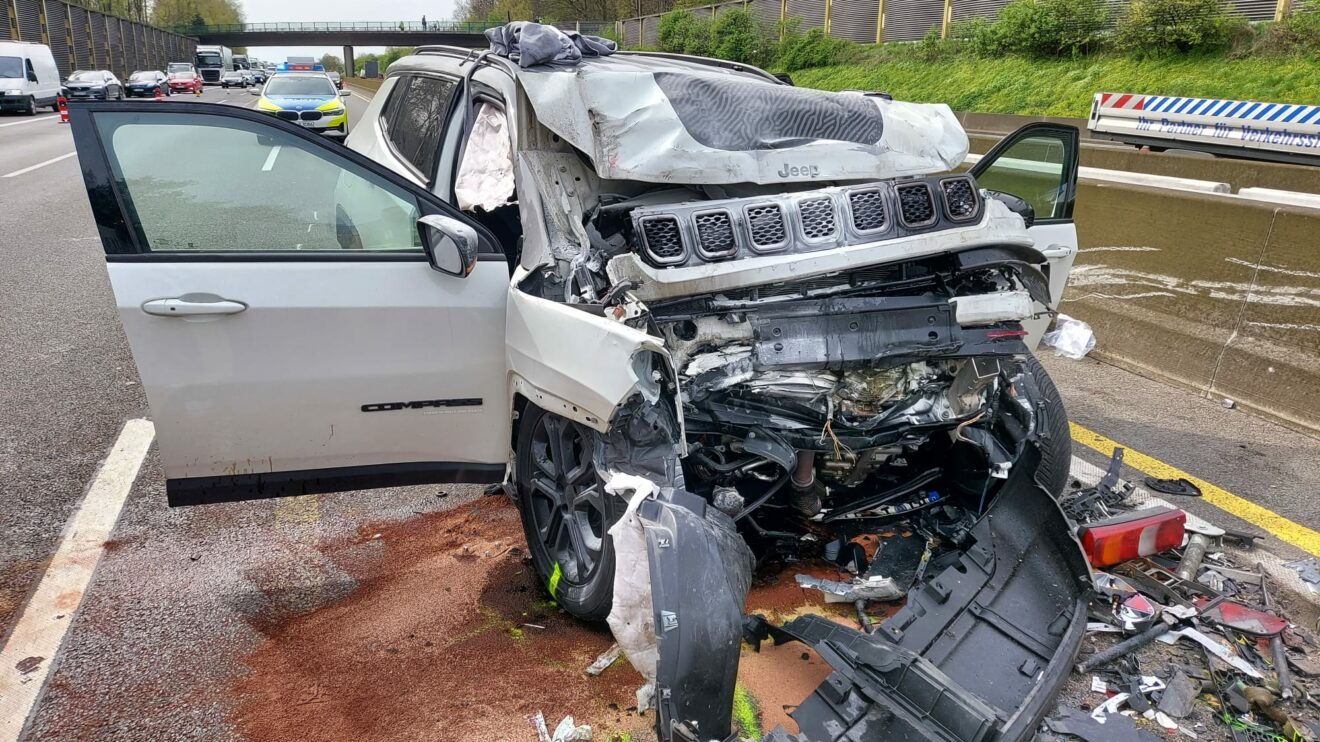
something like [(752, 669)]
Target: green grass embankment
[(1062, 87)]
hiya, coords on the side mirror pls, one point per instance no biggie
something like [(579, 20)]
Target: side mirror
[(32, 76), (451, 245), (344, 93)]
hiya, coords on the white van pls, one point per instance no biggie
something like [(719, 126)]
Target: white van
[(28, 77)]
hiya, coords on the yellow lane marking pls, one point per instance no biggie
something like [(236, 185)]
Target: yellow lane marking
[(1275, 524)]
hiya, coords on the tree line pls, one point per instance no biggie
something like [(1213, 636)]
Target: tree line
[(170, 14)]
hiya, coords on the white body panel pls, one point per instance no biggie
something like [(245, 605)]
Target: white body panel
[(316, 343), (571, 362), (47, 86), (1058, 242)]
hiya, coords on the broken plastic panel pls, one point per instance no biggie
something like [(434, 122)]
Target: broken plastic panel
[(1011, 603), (700, 572)]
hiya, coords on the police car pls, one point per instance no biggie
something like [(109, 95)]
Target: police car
[(307, 99)]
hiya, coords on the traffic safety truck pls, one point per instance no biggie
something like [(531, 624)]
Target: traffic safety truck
[(1279, 132)]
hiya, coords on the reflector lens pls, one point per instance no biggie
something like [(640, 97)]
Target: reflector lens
[(1139, 534)]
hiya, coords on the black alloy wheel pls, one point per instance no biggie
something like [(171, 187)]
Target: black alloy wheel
[(566, 513)]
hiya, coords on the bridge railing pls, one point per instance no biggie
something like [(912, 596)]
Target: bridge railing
[(591, 27)]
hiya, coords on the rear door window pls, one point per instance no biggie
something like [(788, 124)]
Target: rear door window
[(414, 119)]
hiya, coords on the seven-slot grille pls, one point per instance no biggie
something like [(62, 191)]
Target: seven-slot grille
[(960, 201), (677, 234), (817, 216), (715, 237), (916, 208), (664, 239), (868, 210), (766, 224)]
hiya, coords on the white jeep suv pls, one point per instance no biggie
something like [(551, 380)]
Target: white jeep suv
[(786, 311)]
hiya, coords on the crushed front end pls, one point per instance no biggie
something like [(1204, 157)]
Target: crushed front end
[(813, 356)]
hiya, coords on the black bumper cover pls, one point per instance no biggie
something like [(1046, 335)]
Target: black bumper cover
[(979, 651)]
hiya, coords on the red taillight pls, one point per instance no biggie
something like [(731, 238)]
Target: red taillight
[(1139, 534)]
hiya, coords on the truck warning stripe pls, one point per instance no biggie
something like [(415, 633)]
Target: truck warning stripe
[(1255, 110)]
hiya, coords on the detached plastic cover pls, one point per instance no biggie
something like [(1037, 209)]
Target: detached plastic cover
[(704, 125)]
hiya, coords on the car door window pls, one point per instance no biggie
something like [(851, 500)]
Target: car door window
[(414, 119), (295, 197), (1039, 166)]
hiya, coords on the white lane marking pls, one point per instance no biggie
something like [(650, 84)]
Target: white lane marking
[(360, 97), (270, 159), (51, 161), (31, 121), (27, 657)]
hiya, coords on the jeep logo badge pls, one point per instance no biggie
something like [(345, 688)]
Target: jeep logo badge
[(798, 171)]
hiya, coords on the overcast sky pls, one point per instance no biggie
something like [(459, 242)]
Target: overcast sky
[(276, 11)]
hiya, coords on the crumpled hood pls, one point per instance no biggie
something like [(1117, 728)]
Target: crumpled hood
[(692, 124)]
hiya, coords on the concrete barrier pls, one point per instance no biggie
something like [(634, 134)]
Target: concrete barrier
[(1275, 196), (1214, 292), (1238, 174), (1113, 176)]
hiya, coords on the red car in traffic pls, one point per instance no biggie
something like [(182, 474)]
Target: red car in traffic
[(184, 77)]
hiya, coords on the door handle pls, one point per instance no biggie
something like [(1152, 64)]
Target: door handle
[(1058, 251), (192, 306)]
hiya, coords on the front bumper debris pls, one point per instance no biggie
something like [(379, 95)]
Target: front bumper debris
[(979, 651)]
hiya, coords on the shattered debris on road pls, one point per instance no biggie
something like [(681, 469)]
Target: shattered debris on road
[(1182, 639)]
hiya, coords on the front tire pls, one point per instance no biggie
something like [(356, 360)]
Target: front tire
[(968, 468), (31, 109), (566, 512), (1055, 436)]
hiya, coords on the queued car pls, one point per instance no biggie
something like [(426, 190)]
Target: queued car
[(336, 79), (307, 99), (91, 84), (147, 84), (183, 77), (233, 79), (799, 326), (260, 75)]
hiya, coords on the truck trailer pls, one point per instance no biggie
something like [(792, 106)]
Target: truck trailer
[(1277, 132)]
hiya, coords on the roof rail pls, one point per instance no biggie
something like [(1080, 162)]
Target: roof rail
[(707, 61)]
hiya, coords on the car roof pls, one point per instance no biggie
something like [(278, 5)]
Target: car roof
[(653, 60)]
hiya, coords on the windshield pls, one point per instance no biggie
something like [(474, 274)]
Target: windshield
[(178, 67), (88, 76), (280, 85), (208, 59), (11, 67), (142, 77), (233, 74)]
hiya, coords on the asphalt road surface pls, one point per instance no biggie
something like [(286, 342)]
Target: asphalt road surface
[(182, 597)]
